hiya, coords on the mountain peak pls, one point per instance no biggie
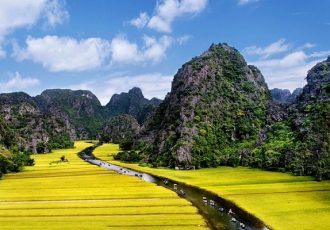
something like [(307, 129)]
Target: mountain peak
[(136, 91), (318, 82), (202, 92), (132, 103), (280, 95)]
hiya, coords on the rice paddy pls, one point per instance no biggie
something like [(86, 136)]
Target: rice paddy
[(281, 200), (77, 195)]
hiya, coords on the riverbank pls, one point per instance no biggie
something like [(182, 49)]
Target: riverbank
[(73, 194), (281, 200)]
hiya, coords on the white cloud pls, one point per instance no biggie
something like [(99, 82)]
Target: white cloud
[(307, 45), (152, 85), (183, 39), (65, 53), (123, 51), (167, 11), (154, 49), (292, 59), (289, 69), (320, 54), (2, 53), (15, 14), (17, 82), (141, 21), (55, 12), (279, 46), (245, 2), (288, 72), (126, 52), (68, 54), (19, 14)]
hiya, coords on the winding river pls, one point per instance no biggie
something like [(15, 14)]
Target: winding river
[(218, 213)]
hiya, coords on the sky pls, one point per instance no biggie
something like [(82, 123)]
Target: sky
[(111, 46)]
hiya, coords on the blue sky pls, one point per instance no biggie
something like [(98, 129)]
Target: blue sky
[(110, 46)]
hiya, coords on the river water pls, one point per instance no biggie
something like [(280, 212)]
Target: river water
[(218, 213)]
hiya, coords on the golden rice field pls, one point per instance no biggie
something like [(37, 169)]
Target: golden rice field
[(77, 195), (281, 200)]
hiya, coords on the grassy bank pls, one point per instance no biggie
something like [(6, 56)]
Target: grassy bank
[(77, 195), (281, 200)]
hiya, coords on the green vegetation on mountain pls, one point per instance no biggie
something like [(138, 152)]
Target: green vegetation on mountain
[(81, 108), (220, 112), (120, 129), (29, 128), (12, 159), (301, 143), (57, 117), (217, 105)]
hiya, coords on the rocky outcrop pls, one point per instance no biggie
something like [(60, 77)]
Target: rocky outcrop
[(295, 95), (215, 99), (280, 95), (318, 83), (80, 108), (132, 103), (30, 127), (284, 96), (310, 116), (120, 128)]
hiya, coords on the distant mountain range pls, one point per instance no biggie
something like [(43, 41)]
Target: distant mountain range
[(62, 115)]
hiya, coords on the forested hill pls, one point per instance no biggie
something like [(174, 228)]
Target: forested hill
[(220, 112), (217, 105)]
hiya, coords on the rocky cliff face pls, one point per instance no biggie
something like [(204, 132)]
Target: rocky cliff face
[(132, 103), (310, 117), (59, 116), (294, 96), (81, 108), (284, 96), (120, 128), (216, 100), (28, 125), (318, 83), (280, 95)]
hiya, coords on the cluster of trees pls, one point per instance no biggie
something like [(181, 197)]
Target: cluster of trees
[(129, 156), (12, 159), (61, 141)]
